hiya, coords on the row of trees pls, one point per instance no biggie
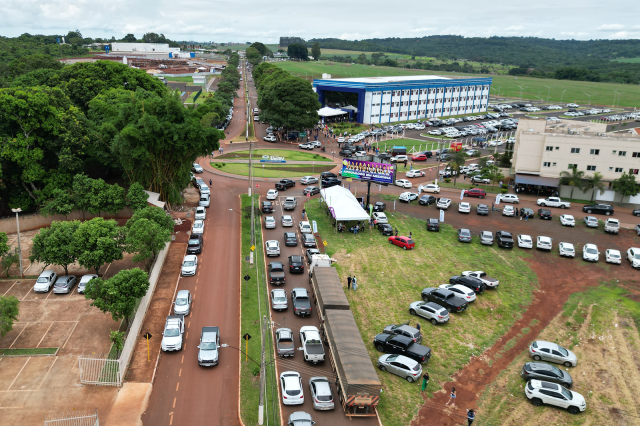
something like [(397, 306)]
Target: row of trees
[(626, 184)]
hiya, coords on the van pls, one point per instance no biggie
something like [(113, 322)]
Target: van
[(399, 150), (204, 200)]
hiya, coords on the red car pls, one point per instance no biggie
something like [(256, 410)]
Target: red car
[(401, 241), (419, 157), (475, 192)]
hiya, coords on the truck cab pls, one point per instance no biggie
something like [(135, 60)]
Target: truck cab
[(319, 260)]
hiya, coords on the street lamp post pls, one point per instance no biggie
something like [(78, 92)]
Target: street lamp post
[(16, 211), (589, 96), (614, 98), (548, 91), (562, 95), (521, 89)]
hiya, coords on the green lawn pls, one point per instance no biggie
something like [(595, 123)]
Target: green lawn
[(629, 60), (503, 85), (251, 311), (390, 279), (271, 170), (289, 155), (31, 351)]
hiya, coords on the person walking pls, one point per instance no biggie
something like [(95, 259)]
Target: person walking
[(418, 326), (410, 234), (452, 397), (425, 380), (304, 213), (355, 283), (471, 416), (396, 232), (516, 215), (349, 282)]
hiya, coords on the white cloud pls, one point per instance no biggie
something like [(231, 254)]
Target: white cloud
[(514, 28), (423, 30), (610, 27), (573, 34)]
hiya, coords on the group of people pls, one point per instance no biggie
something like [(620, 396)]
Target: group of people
[(352, 281)]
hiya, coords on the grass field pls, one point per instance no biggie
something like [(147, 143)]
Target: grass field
[(272, 47), (629, 60), (287, 154), (389, 279), (271, 170), (503, 85), (25, 352), (601, 327)]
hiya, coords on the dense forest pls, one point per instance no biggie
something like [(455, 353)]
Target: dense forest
[(590, 60)]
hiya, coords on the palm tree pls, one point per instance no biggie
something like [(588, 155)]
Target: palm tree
[(594, 182), (573, 177), (458, 159)]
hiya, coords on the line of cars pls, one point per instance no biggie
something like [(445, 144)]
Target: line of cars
[(62, 284)]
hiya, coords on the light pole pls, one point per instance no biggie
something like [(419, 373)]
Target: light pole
[(16, 211), (548, 91), (614, 98), (521, 89), (562, 95), (589, 96)]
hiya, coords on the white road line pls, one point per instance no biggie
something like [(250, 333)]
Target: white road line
[(25, 296), (45, 376), (72, 330), (14, 341), (5, 293), (16, 378), (45, 333)]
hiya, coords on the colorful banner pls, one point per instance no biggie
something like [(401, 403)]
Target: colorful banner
[(367, 171)]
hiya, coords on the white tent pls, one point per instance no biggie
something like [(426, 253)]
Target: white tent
[(344, 204), (330, 112)]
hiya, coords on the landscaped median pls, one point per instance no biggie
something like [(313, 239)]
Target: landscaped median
[(270, 170), (389, 279)]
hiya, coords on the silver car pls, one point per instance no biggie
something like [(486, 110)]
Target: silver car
[(182, 305), (300, 418), (64, 284), (547, 351), (308, 240), (321, 393), (401, 366), (84, 280), (45, 281), (272, 248), (285, 346), (287, 220), (431, 311), (189, 265), (308, 180), (201, 213), (486, 238), (279, 299), (269, 222), (590, 221), (208, 347)]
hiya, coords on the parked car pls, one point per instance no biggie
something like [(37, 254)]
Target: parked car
[(408, 197), (590, 221), (82, 285), (64, 284), (379, 206), (426, 200), (208, 347), (189, 265), (291, 388), (468, 281), (415, 173), (430, 187), (486, 238), (380, 217), (321, 396), (546, 372), (566, 249), (605, 209), (307, 180), (443, 203), (475, 192), (482, 209), (385, 229), (445, 298), (283, 185), (464, 207), (461, 291), (329, 182), (272, 194), (404, 330), (590, 253), (544, 214), (401, 345), (525, 241), (403, 183), (289, 203), (504, 239), (401, 241), (198, 227), (45, 281), (612, 226), (402, 366), (464, 235), (279, 299), (613, 256), (540, 350), (509, 198), (567, 220), (267, 207), (197, 168), (433, 225), (544, 392), (182, 305), (508, 211), (430, 311), (201, 213)]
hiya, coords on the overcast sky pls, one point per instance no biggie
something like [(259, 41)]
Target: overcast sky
[(266, 21)]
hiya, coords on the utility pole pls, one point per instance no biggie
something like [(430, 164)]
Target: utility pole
[(262, 372), (16, 211)]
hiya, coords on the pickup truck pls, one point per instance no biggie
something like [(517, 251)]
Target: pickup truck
[(300, 301), (290, 203), (553, 202), (470, 282), (445, 298), (276, 273), (504, 239), (208, 347), (284, 342), (402, 345), (311, 344), (482, 276), (284, 184), (172, 335), (612, 226)]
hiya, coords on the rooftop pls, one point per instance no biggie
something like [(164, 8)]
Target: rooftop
[(391, 79)]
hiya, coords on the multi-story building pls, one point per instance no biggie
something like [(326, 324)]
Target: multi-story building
[(402, 98)]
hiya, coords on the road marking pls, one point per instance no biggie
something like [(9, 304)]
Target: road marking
[(194, 290), (16, 378), (174, 402), (74, 327), (25, 296), (14, 341), (5, 293), (180, 373), (177, 386), (197, 279), (45, 376), (186, 335), (45, 333), (171, 420), (189, 324), (182, 359)]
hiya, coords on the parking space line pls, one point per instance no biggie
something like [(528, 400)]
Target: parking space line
[(74, 327), (14, 341), (5, 293), (25, 296), (45, 376), (16, 378), (43, 336), (50, 293)]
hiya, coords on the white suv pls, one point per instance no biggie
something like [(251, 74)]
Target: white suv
[(540, 392)]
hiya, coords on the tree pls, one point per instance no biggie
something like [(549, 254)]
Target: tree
[(253, 56), (362, 59), (98, 241), (9, 311), (573, 177), (61, 202), (289, 102), (298, 51), (458, 159), (493, 173), (9, 259), (594, 182), (315, 51), (117, 339), (119, 294), (4, 244), (82, 193), (129, 38), (56, 245), (626, 185), (155, 214), (260, 47), (146, 239), (136, 197), (107, 198)]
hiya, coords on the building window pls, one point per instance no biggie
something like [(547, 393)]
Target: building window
[(575, 150), (618, 169), (636, 154), (572, 166), (622, 153), (546, 164), (594, 152), (549, 148), (633, 171), (591, 168)]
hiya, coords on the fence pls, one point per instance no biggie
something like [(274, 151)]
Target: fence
[(111, 372), (89, 419)]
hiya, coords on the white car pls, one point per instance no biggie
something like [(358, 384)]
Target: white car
[(399, 159), (403, 183), (567, 250), (360, 153), (414, 173), (305, 227), (45, 281), (544, 243), (279, 299), (464, 208), (613, 256), (508, 211), (287, 220), (435, 132), (461, 291), (509, 198), (204, 189), (407, 197), (525, 241), (430, 187), (269, 222), (555, 107), (272, 248), (305, 145), (198, 227), (340, 139), (567, 220), (380, 217), (419, 127), (572, 105), (197, 168), (540, 392), (291, 386), (443, 203), (189, 265), (472, 152), (590, 253), (308, 180), (201, 213), (270, 138), (272, 194)]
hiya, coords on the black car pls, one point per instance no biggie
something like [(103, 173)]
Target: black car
[(546, 372), (425, 200), (402, 345), (311, 190), (544, 214), (296, 263), (636, 212), (325, 175), (464, 235), (482, 209), (311, 252), (599, 208), (470, 282), (445, 157), (284, 184), (195, 244), (504, 239), (267, 207), (433, 225), (385, 229), (290, 239), (345, 152), (329, 182), (379, 207), (445, 298)]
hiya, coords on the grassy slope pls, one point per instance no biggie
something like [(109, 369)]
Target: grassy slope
[(271, 170), (502, 85), (390, 279), (287, 154)]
